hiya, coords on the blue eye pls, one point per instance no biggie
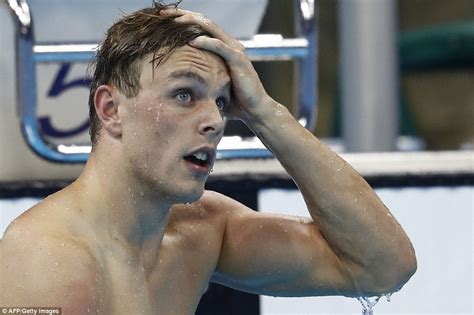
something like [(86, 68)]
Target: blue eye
[(221, 104), (183, 96)]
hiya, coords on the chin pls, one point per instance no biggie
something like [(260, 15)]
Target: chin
[(189, 195)]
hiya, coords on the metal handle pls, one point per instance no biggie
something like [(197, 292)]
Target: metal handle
[(22, 11), (262, 48), (307, 9)]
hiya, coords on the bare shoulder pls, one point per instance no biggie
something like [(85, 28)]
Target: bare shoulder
[(204, 222), (43, 266), (211, 206)]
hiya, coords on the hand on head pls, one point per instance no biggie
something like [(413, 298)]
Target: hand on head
[(250, 100)]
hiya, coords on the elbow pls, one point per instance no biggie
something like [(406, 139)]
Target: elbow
[(385, 276), (393, 276), (407, 268)]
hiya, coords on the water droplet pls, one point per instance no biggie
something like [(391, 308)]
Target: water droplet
[(341, 167), (261, 227)]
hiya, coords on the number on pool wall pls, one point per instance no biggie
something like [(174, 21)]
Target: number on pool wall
[(58, 87)]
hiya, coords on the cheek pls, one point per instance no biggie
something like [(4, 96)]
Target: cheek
[(155, 111)]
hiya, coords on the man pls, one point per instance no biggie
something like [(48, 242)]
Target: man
[(137, 234)]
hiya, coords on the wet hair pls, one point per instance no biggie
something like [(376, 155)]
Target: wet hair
[(119, 57)]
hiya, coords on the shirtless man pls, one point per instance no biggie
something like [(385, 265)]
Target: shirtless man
[(137, 234)]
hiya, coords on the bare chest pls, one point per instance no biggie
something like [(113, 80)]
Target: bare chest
[(173, 285)]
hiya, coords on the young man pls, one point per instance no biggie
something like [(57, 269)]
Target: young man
[(137, 234)]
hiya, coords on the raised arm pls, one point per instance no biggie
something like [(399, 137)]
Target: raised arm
[(353, 245)]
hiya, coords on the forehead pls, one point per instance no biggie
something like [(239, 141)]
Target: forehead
[(185, 59)]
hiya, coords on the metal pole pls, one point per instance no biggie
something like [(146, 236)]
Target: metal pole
[(369, 74)]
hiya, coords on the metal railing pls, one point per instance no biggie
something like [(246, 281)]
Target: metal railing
[(260, 48)]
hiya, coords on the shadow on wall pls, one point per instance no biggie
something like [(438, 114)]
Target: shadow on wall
[(438, 104)]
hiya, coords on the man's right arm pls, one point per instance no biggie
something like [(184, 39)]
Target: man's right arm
[(47, 271)]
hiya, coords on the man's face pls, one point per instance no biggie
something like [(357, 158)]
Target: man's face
[(172, 127)]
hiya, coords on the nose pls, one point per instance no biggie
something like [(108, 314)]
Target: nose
[(212, 122)]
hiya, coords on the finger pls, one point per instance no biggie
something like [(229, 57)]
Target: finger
[(189, 17), (175, 11), (179, 12), (215, 45), (207, 25)]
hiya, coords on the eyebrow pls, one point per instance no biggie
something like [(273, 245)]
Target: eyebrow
[(179, 74)]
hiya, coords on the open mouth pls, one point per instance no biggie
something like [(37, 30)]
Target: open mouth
[(200, 159)]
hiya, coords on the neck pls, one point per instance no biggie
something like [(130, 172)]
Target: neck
[(118, 205)]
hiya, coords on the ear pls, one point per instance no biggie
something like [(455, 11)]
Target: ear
[(106, 108)]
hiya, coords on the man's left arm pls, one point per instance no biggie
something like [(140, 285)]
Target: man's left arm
[(371, 250)]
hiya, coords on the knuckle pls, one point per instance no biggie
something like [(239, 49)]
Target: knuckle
[(240, 53), (239, 45), (201, 19), (238, 57), (220, 44)]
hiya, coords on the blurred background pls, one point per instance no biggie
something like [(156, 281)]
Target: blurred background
[(394, 94), (436, 100)]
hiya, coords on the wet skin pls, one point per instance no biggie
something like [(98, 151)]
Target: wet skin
[(171, 270), (110, 244), (179, 107)]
